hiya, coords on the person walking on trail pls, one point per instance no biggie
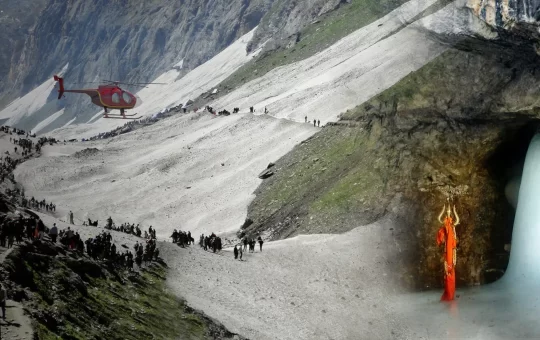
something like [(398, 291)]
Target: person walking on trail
[(3, 298), (236, 252), (260, 243), (315, 122), (53, 233), (71, 217), (240, 252), (306, 119), (245, 244), (318, 123)]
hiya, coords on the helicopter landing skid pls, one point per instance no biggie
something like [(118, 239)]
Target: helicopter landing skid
[(122, 117), (118, 115)]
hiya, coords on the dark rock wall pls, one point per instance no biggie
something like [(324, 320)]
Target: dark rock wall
[(519, 17), (17, 17)]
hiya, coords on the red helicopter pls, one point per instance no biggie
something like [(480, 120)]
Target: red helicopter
[(108, 96)]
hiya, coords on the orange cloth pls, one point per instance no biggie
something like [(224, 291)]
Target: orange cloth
[(447, 235)]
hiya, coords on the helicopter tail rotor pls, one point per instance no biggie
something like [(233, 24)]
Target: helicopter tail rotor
[(60, 85)]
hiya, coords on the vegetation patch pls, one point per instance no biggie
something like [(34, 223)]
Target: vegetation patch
[(70, 296)]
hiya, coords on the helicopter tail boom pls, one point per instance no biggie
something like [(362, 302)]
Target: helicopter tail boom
[(60, 85)]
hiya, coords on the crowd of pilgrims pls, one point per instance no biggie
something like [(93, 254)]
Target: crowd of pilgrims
[(149, 120), (128, 228), (25, 145), (38, 205), (210, 242), (136, 124), (182, 238), (127, 127), (100, 247), (31, 203)]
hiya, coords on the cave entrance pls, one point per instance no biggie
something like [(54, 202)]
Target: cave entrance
[(505, 166)]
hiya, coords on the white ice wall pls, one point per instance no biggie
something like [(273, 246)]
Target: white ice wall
[(524, 265)]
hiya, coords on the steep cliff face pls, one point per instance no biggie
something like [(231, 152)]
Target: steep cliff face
[(286, 18), (517, 17), (17, 17)]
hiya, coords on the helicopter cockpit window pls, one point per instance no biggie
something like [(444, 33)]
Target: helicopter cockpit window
[(116, 98), (126, 97)]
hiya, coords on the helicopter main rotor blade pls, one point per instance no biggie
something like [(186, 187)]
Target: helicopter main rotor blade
[(134, 85), (120, 82)]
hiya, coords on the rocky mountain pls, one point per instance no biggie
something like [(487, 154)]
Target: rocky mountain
[(124, 40), (133, 42), (470, 105)]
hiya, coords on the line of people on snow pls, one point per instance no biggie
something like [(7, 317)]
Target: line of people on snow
[(242, 247), (38, 205), (102, 247), (128, 228), (14, 230), (136, 124), (211, 242), (7, 166), (13, 130)]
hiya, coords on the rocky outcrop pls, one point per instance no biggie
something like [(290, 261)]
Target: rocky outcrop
[(457, 129), (286, 18), (519, 18), (69, 295)]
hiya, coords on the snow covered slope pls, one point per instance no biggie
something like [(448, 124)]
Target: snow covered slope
[(31, 103), (150, 170), (196, 172), (357, 67)]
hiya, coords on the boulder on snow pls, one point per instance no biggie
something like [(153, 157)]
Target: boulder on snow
[(266, 174), (270, 165)]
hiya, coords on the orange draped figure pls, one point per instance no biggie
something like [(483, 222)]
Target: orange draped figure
[(447, 236)]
